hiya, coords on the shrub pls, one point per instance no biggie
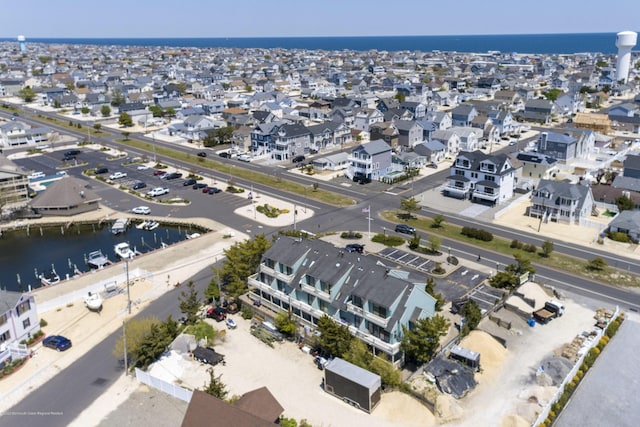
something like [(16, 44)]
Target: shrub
[(619, 237), (350, 235), (530, 248), (516, 244), (388, 240), (246, 312), (476, 233), (43, 323)]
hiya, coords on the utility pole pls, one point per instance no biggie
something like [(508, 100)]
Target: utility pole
[(126, 266), (124, 340)]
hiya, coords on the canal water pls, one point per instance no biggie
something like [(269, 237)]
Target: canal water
[(24, 255)]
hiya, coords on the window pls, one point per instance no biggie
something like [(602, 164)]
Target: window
[(5, 336), (474, 174), (23, 307), (3, 319), (378, 310), (269, 263), (357, 301), (325, 287), (490, 178), (26, 323)]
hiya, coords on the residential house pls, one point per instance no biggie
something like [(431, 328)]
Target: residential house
[(463, 115), (366, 117), (627, 222), (573, 144), (536, 166), (16, 132), (631, 166), (409, 160), (449, 139), (569, 104), (469, 137), (312, 278), (10, 87), (561, 202), (481, 177), (432, 151), (418, 109), (386, 131), (369, 161), (410, 133), (539, 110), (503, 120), (14, 185), (18, 321), (290, 140), (329, 134), (333, 162), (65, 197)]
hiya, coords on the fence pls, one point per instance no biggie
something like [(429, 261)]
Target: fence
[(165, 387), (545, 411)]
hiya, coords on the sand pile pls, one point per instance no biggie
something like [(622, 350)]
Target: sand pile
[(401, 408), (514, 421), (519, 303), (448, 409), (534, 291), (492, 353)]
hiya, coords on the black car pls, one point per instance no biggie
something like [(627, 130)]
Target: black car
[(217, 313), (298, 159), (404, 228), (208, 355), (202, 154), (138, 185), (199, 185), (67, 158), (172, 175), (189, 181), (225, 154), (354, 247), (72, 152), (57, 342), (214, 190), (101, 171)]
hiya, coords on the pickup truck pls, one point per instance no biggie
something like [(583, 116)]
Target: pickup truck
[(551, 310), (208, 355)]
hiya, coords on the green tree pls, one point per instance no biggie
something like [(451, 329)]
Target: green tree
[(218, 136), (117, 98), (503, 279), (472, 317), (105, 110), (597, 264), (169, 112), (552, 94), (212, 293), (156, 111), (190, 303), (625, 203), (522, 265), (215, 387), (27, 94), (358, 354), (400, 97), (285, 324), (421, 342), (242, 260), (437, 221), (125, 120), (335, 339), (409, 206), (434, 244), (97, 127), (389, 374), (430, 288), (547, 248), (155, 342), (135, 330), (85, 110), (126, 135)]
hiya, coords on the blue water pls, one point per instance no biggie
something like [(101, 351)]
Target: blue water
[(23, 256), (520, 43)]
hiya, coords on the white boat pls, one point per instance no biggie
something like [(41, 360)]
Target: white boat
[(142, 225), (97, 259), (49, 278), (151, 225), (123, 251), (93, 301), (193, 235), (120, 226)]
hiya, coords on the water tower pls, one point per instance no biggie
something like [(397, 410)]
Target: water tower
[(625, 41), (23, 46)]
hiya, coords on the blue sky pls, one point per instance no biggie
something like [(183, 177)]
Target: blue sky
[(282, 18)]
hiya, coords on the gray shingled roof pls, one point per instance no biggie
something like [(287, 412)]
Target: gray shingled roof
[(64, 193), (8, 300)]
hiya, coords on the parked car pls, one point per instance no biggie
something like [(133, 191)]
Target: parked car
[(208, 355), (404, 228), (189, 181), (298, 159), (354, 247), (202, 154), (244, 158), (217, 313), (57, 342), (213, 190), (513, 143), (158, 191), (72, 152), (99, 171), (68, 158), (224, 154), (117, 175), (143, 167), (138, 185), (141, 210), (172, 175), (159, 172), (199, 185), (432, 166)]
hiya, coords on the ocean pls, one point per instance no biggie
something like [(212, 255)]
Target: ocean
[(514, 43)]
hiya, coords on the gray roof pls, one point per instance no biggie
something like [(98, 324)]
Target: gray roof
[(354, 373), (374, 147), (535, 158), (65, 193), (632, 162), (8, 300), (627, 220), (566, 190)]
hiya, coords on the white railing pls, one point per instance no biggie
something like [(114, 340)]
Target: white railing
[(169, 388)]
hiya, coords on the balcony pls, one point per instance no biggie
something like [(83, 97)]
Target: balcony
[(315, 291), (272, 272), (367, 315), (456, 191), (492, 197), (375, 342)]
